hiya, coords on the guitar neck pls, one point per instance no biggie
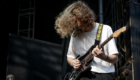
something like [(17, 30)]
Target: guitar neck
[(89, 56), (106, 41)]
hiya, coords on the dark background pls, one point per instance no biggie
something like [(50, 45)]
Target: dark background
[(32, 59), (47, 10)]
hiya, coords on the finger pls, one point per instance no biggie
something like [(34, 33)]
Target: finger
[(95, 54), (76, 68), (102, 49), (77, 65), (97, 51), (77, 62), (97, 46)]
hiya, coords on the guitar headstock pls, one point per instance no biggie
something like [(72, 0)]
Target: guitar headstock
[(119, 31)]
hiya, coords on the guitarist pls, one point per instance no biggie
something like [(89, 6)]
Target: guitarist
[(78, 21)]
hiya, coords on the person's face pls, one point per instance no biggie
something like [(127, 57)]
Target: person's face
[(83, 26)]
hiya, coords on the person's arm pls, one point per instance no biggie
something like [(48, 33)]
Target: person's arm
[(74, 62), (70, 61), (112, 53), (71, 56), (109, 58), (112, 58)]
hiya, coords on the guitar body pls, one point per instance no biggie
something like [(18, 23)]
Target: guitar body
[(76, 74)]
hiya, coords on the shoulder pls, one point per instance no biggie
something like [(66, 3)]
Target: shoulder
[(73, 39), (107, 27)]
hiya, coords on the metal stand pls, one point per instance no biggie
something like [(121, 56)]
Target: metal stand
[(26, 18)]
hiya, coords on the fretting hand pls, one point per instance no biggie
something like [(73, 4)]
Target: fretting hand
[(99, 53)]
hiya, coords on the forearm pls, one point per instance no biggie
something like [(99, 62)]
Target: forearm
[(111, 58), (69, 59), (100, 54)]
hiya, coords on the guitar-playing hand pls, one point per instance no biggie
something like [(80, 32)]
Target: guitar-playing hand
[(99, 53), (76, 64)]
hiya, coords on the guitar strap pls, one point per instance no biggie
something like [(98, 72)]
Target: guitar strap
[(97, 40), (98, 34)]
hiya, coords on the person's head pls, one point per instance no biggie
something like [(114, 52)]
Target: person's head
[(74, 20)]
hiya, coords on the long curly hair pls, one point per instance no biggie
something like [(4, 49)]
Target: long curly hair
[(65, 23)]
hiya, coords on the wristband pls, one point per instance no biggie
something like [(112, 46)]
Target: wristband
[(106, 58)]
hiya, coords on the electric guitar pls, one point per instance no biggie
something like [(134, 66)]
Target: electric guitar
[(87, 58)]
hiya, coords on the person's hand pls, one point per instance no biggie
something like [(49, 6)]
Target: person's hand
[(76, 64), (99, 53)]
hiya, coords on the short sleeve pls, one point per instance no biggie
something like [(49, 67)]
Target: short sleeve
[(112, 48), (71, 50)]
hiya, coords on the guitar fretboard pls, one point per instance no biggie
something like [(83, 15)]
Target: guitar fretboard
[(89, 56)]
